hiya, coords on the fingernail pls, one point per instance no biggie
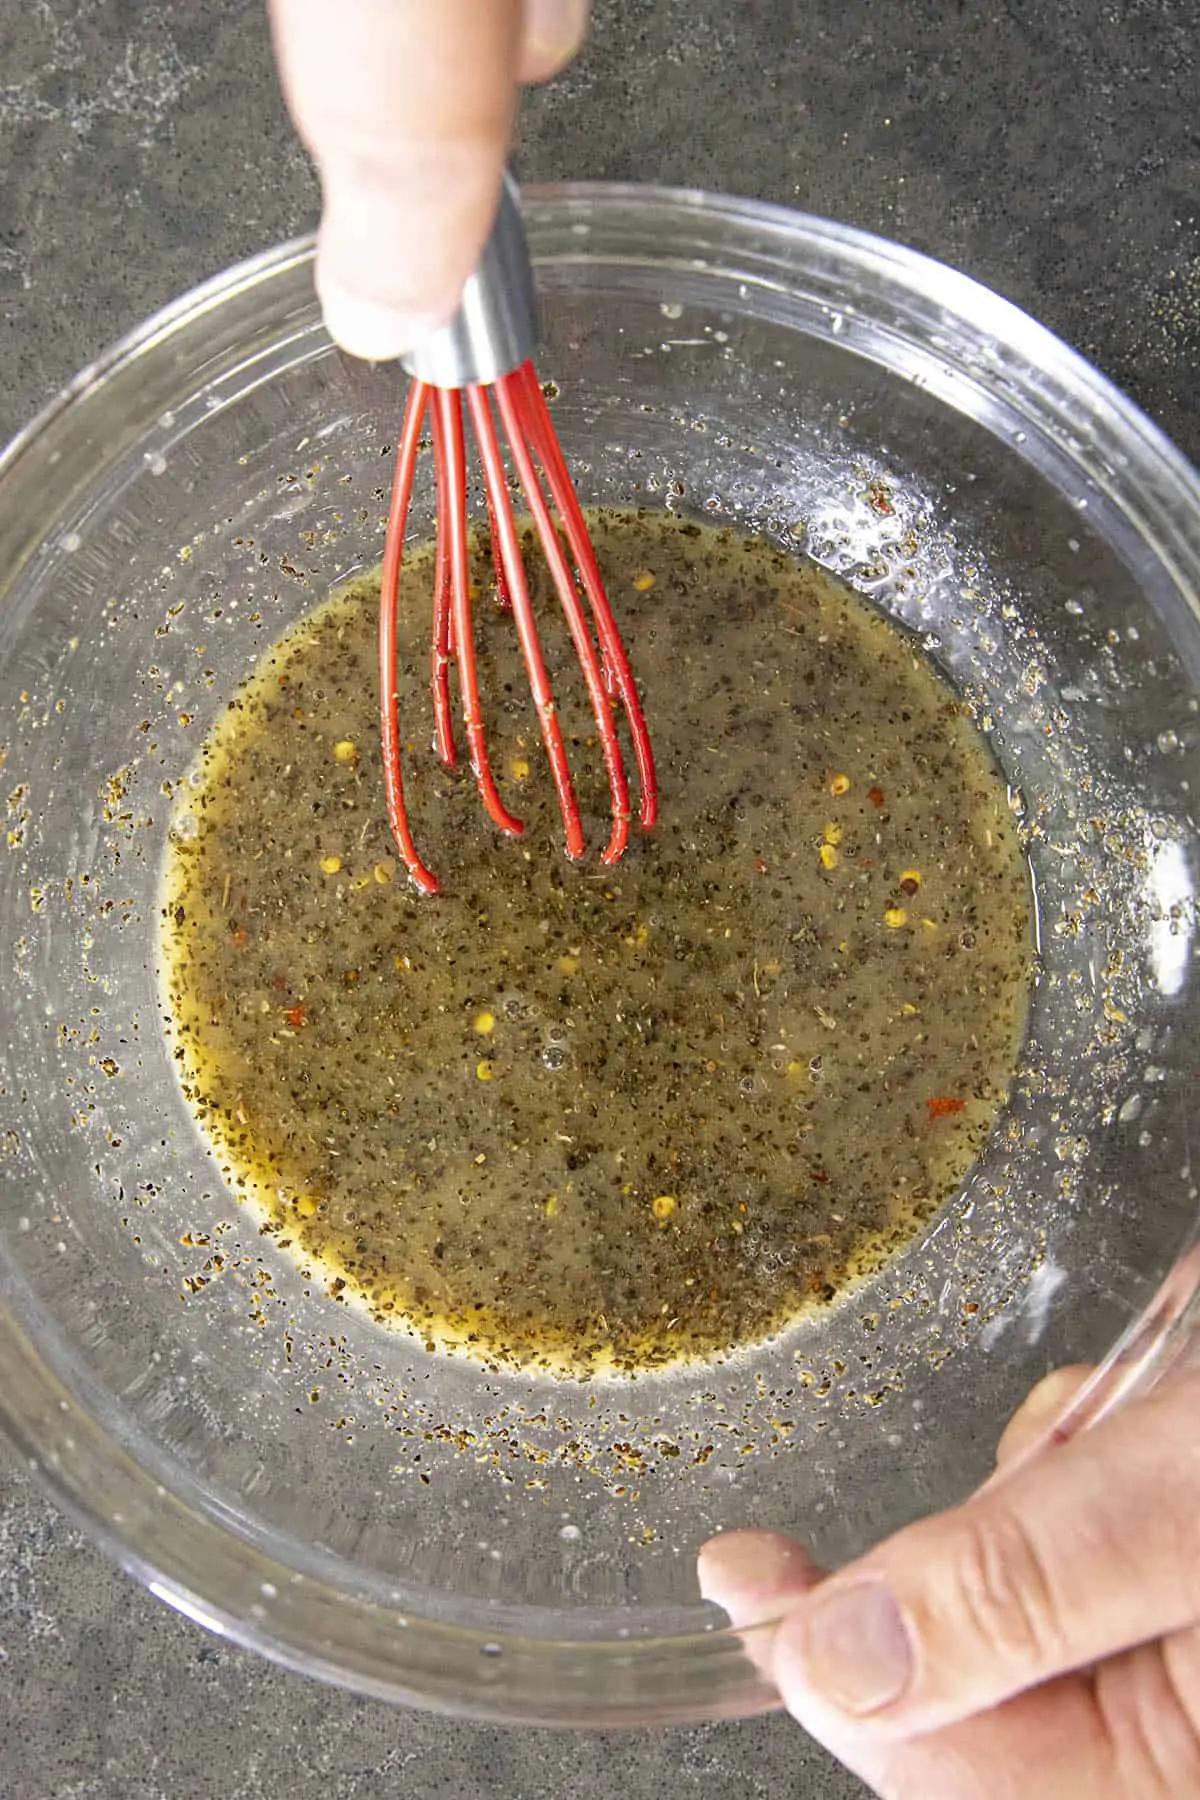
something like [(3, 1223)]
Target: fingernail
[(858, 1652), (553, 28), (369, 328)]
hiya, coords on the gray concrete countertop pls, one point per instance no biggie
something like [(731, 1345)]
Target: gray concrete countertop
[(1053, 152)]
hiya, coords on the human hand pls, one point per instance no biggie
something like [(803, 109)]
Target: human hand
[(1042, 1638), (407, 108)]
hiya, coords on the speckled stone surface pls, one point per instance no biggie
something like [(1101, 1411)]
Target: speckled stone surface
[(1053, 152)]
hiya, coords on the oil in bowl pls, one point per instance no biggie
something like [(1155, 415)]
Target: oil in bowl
[(588, 1119)]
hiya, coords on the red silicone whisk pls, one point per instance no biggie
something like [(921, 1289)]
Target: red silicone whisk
[(478, 371)]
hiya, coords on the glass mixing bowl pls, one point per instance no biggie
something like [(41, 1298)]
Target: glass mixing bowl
[(271, 1463)]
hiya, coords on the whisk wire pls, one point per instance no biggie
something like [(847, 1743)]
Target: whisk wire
[(510, 393), (389, 594), (503, 597), (511, 568), (615, 662), (442, 653), (450, 452)]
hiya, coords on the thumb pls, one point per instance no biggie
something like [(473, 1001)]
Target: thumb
[(406, 107), (1071, 1558)]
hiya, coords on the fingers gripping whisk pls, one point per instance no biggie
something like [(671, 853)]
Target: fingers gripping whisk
[(477, 373)]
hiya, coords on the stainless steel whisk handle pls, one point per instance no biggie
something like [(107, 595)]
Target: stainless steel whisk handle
[(495, 329)]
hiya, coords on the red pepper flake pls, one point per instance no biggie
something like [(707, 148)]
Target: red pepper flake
[(875, 796), (297, 1016), (879, 497), (942, 1105), (760, 865), (817, 1175), (239, 937)]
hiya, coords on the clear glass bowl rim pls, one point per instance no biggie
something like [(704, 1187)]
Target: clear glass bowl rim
[(49, 1412)]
